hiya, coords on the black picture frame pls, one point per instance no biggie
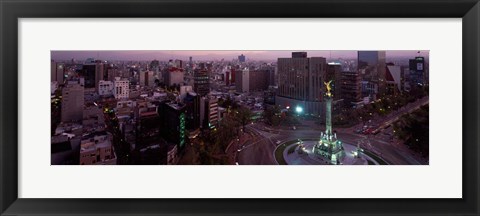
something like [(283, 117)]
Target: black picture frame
[(12, 10)]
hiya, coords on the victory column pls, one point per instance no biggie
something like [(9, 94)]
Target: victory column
[(329, 147)]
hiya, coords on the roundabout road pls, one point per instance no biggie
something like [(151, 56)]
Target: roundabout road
[(260, 150)]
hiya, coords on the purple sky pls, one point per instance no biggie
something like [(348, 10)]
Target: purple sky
[(212, 54)]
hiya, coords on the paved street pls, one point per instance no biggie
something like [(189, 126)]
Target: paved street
[(259, 150)]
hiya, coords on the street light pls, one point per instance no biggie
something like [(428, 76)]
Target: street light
[(299, 109)]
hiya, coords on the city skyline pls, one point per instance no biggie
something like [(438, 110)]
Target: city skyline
[(211, 55), (367, 107)]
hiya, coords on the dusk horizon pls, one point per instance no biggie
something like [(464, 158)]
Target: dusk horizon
[(209, 55)]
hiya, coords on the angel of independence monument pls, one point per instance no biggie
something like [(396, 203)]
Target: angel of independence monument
[(329, 147)]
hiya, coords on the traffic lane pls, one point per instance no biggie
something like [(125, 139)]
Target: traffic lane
[(258, 153)]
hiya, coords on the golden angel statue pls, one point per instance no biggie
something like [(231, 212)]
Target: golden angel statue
[(329, 86)]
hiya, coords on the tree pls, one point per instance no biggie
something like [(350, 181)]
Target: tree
[(226, 131), (413, 130), (243, 115), (271, 115)]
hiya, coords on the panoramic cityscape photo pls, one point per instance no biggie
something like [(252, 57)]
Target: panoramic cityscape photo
[(240, 107)]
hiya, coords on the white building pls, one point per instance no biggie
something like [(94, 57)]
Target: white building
[(121, 88), (105, 88)]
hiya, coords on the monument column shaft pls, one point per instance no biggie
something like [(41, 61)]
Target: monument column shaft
[(328, 115)]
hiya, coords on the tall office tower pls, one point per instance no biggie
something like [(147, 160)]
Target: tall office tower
[(175, 123), (121, 88), (241, 58), (57, 72), (300, 81), (271, 76), (227, 78), (394, 79), (258, 80), (209, 112), (146, 79), (72, 103), (88, 72), (242, 83), (351, 89), (201, 83), (372, 67), (99, 69), (232, 76), (192, 102), (110, 72), (417, 72)]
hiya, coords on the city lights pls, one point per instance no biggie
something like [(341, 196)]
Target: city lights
[(299, 109), (239, 107)]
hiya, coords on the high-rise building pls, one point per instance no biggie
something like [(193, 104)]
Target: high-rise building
[(300, 82), (417, 72), (88, 72), (72, 103), (175, 123), (394, 79), (209, 112), (148, 124), (57, 72), (201, 82), (175, 76), (146, 79), (227, 78), (99, 69), (350, 88), (241, 58), (121, 88), (232, 76), (112, 71), (259, 80), (242, 83), (372, 66), (192, 102)]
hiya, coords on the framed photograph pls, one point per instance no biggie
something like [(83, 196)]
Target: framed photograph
[(239, 107)]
